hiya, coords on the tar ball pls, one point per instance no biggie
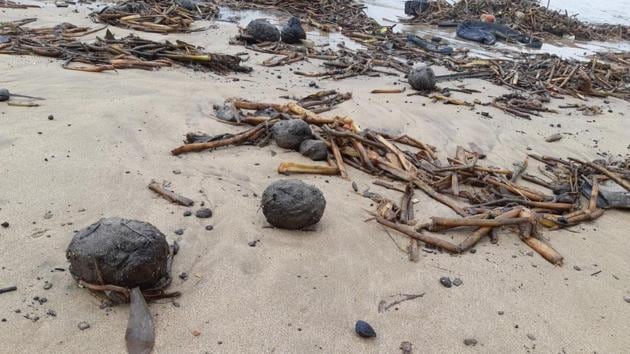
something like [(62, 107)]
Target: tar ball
[(289, 134), (121, 252), (422, 78), (262, 31), (292, 204)]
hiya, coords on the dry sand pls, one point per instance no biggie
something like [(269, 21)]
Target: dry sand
[(295, 291)]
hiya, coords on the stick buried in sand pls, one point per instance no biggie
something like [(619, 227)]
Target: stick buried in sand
[(170, 195)]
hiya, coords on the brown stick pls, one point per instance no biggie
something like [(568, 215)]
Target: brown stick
[(483, 231), (544, 249), (430, 240), (286, 168), (236, 139), (388, 91), (441, 223), (615, 177), (338, 159), (170, 195)]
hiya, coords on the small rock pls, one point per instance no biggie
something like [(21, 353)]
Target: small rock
[(51, 117), (187, 213), (203, 213), (176, 304), (446, 282), (315, 150), (209, 227), (83, 325), (626, 299), (183, 276), (179, 232), (363, 329), (422, 78), (501, 313), (51, 313), (253, 243), (470, 341), (177, 172), (531, 336), (554, 137), (577, 268), (196, 333), (457, 282), (47, 285), (5, 224), (530, 253), (313, 84), (290, 134)]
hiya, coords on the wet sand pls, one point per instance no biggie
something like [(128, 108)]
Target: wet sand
[(295, 291)]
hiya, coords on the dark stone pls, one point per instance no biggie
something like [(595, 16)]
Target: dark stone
[(179, 232), (364, 329), (51, 313), (457, 282), (209, 227), (289, 134), (5, 224), (129, 253), (446, 281), (262, 31), (293, 32), (187, 213), (203, 213), (436, 39), (292, 204), (253, 243), (47, 285), (316, 150), (227, 112), (470, 341), (51, 117), (4, 95), (422, 78), (189, 5), (416, 7), (183, 276), (83, 325)]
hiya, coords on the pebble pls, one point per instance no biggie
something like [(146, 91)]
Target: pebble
[(51, 313), (252, 243), (446, 281), (183, 276), (457, 282), (83, 325), (209, 227), (577, 268), (187, 213), (203, 213), (530, 253), (179, 232), (470, 341), (5, 224), (363, 329), (626, 299), (51, 117), (531, 336), (47, 285), (501, 313), (177, 172)]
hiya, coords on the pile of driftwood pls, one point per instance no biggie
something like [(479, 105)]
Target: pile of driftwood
[(526, 16), (484, 197), (604, 75), (8, 4), (109, 53), (160, 16)]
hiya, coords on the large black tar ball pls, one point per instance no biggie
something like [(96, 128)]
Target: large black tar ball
[(292, 204), (289, 134), (263, 31), (127, 253), (422, 78), (293, 32)]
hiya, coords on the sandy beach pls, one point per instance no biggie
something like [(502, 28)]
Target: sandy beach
[(294, 292)]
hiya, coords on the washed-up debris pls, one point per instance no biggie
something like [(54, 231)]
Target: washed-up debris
[(522, 106), (584, 108), (140, 333), (109, 53), (393, 300), (422, 78), (493, 195), (316, 150), (161, 16), (406, 347), (170, 195), (8, 289), (553, 137), (290, 134), (488, 33), (363, 329), (527, 16), (292, 204), (431, 46), (260, 30), (292, 32), (5, 95), (8, 4)]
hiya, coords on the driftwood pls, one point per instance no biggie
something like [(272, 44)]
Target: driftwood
[(170, 195)]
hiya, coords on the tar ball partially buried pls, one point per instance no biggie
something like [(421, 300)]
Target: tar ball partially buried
[(262, 31), (292, 204), (422, 78), (292, 32), (289, 134), (115, 251)]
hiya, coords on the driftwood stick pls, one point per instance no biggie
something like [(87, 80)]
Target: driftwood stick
[(544, 249), (235, 139), (442, 223), (615, 177), (170, 195), (287, 168), (430, 240), (338, 159), (483, 231)]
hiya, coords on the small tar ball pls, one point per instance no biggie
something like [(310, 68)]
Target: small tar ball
[(422, 78)]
